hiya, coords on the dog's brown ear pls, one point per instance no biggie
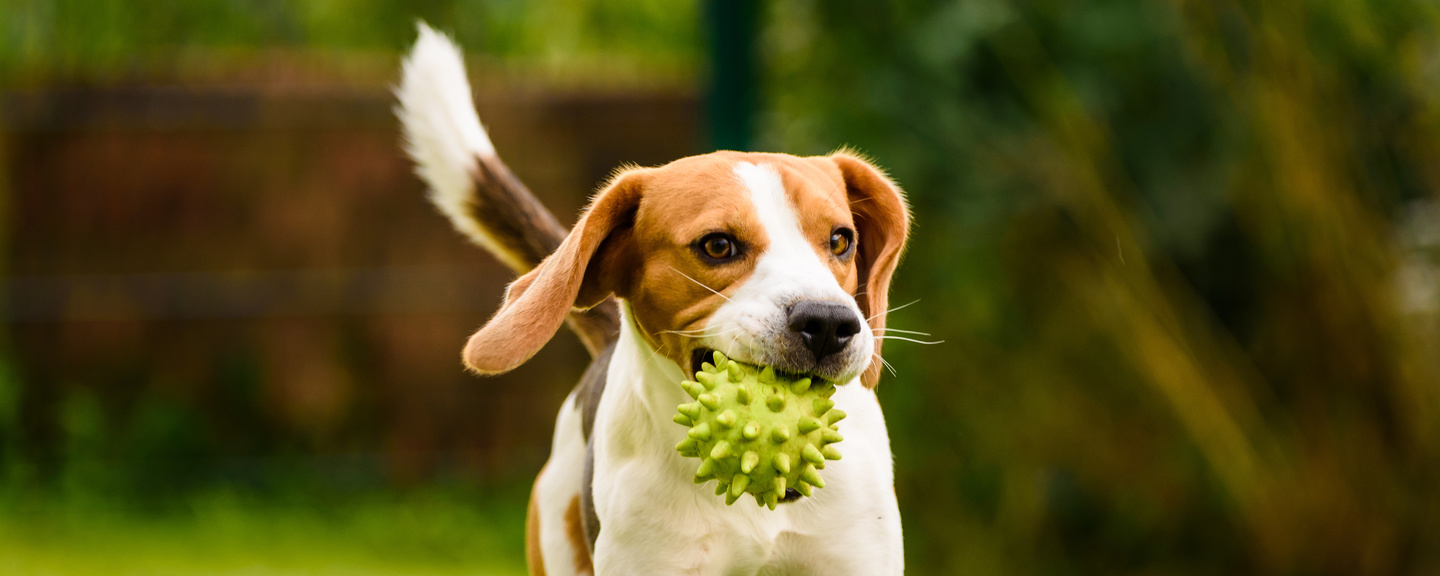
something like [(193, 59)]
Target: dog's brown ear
[(579, 274), (882, 224)]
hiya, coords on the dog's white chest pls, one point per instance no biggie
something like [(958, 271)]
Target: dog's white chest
[(654, 520)]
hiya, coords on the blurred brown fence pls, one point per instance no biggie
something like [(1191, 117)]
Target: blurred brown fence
[(260, 257)]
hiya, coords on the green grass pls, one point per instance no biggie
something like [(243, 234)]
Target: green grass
[(221, 533)]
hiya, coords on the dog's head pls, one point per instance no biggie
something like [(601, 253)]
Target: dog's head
[(772, 259)]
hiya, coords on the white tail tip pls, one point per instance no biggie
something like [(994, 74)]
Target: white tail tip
[(443, 134)]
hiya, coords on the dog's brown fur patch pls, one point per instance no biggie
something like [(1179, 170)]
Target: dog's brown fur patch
[(575, 532)]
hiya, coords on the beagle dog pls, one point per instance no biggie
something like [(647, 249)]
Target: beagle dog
[(774, 260)]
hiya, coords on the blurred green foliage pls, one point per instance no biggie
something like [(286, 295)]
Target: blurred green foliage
[(1157, 239), (95, 40)]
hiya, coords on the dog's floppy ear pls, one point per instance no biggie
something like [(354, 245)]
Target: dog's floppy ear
[(882, 224), (579, 274)]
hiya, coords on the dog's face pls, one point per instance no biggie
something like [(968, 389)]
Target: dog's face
[(752, 257), (772, 259)]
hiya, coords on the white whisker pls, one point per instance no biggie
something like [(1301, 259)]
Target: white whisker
[(887, 311), (904, 339), (900, 331), (702, 284), (886, 364), (695, 331), (700, 334), (654, 354)]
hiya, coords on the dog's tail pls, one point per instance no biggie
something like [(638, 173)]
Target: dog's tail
[(468, 182)]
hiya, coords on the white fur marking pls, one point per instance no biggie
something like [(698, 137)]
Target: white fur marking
[(560, 483), (789, 270), (772, 205)]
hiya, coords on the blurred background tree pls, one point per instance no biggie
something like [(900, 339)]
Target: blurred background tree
[(1184, 258)]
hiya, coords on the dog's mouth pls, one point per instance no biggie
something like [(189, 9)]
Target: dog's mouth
[(699, 356)]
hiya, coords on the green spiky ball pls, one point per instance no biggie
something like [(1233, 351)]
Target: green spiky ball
[(756, 432)]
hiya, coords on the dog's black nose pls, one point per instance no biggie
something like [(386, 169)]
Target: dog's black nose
[(825, 327)]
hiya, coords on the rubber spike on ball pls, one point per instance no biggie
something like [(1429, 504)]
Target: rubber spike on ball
[(804, 489), (748, 462), (801, 386), (811, 475), (738, 486), (809, 453), (782, 463), (707, 469), (687, 445)]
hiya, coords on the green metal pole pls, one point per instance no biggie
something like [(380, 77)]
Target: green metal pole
[(733, 89)]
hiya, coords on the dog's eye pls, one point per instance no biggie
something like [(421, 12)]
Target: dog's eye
[(841, 240), (719, 246)]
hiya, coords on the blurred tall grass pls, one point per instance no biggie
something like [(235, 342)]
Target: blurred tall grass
[(1176, 255), (1184, 257)]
